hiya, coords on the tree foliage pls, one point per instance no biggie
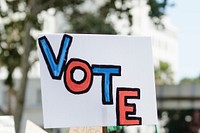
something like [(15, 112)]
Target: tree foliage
[(90, 23), (191, 80), (18, 18), (163, 73), (158, 10)]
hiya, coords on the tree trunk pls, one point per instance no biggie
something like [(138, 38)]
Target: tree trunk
[(9, 99), (20, 96)]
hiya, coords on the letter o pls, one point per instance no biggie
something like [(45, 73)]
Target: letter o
[(82, 86)]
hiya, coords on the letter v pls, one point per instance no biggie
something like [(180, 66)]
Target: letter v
[(55, 66)]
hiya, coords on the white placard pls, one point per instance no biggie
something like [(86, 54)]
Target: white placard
[(33, 128), (96, 80), (7, 124)]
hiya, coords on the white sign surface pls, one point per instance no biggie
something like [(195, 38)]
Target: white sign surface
[(96, 80), (33, 128), (7, 124)]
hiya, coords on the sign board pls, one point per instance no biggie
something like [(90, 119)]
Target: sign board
[(86, 130), (33, 128), (96, 80), (7, 124)]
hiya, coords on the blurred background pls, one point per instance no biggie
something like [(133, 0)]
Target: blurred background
[(172, 25)]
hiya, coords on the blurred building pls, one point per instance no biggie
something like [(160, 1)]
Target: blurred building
[(164, 39)]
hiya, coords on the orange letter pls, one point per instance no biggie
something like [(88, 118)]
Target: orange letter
[(125, 109), (82, 86)]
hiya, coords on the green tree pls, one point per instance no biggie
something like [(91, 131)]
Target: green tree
[(163, 73), (158, 8), (17, 43), (191, 80), (90, 23), (18, 18)]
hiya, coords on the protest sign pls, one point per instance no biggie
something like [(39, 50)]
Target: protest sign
[(96, 80), (7, 124), (33, 128)]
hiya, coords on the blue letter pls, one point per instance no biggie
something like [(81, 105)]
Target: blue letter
[(106, 71), (55, 66)]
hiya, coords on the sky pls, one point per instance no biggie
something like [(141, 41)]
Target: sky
[(185, 15)]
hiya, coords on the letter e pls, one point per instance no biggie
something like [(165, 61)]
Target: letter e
[(125, 109)]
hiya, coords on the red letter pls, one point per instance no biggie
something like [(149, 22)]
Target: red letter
[(82, 86), (125, 109)]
